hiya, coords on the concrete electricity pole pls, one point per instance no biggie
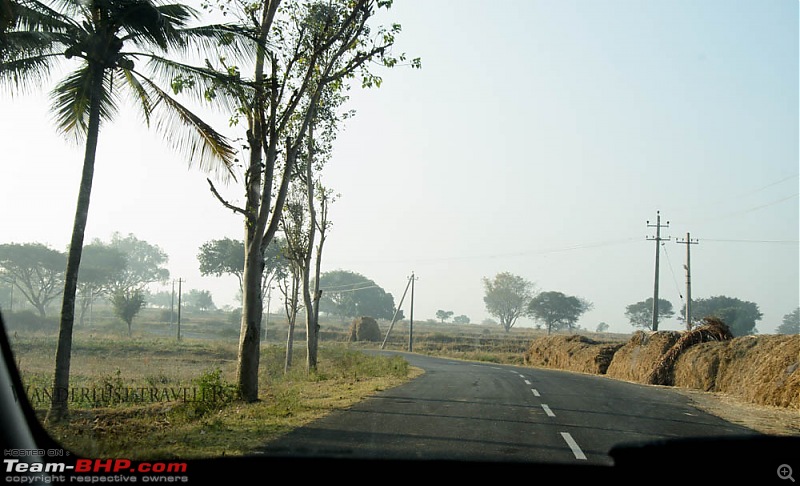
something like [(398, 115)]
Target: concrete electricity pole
[(688, 314), (411, 318), (658, 239), (180, 281)]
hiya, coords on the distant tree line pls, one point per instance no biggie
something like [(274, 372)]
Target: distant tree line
[(509, 297)]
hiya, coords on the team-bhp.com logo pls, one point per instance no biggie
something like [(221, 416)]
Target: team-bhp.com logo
[(95, 471)]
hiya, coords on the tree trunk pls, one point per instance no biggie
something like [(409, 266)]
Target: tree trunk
[(292, 315), (252, 309), (58, 405), (312, 326)]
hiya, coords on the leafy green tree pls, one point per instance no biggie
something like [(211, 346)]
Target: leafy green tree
[(162, 298), (101, 267), (92, 35), (507, 297), (36, 270), (127, 304), (226, 257), (145, 262), (640, 314), (791, 323), (739, 315), (556, 310), (349, 294), (443, 315), (201, 300), (602, 327), (462, 319)]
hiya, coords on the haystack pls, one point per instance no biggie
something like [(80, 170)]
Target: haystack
[(697, 367), (762, 369), (638, 357), (574, 353), (712, 329), (365, 329)]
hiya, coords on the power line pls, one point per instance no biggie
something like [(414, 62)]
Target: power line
[(672, 271), (580, 246), (329, 289), (793, 242)]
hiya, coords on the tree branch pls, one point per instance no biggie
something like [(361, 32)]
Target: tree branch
[(225, 203)]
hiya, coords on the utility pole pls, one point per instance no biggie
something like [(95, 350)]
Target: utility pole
[(411, 319), (658, 240), (179, 308), (688, 315), (396, 312), (172, 307)]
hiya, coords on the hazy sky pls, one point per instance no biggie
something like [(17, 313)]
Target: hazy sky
[(538, 138)]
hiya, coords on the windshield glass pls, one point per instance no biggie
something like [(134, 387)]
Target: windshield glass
[(526, 231)]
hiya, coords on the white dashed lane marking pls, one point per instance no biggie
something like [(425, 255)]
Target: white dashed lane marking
[(535, 392), (548, 411), (573, 445)]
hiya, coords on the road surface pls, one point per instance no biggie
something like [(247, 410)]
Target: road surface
[(467, 411)]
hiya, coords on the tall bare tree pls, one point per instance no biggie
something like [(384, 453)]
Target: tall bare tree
[(302, 47)]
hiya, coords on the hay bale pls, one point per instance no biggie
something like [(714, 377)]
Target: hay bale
[(365, 329), (573, 353), (762, 369), (635, 360), (712, 329), (698, 366)]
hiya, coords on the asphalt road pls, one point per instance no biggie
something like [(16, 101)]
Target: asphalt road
[(467, 411)]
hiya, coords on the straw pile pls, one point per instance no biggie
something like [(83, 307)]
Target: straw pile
[(712, 329), (635, 360), (573, 353), (759, 369), (365, 329)]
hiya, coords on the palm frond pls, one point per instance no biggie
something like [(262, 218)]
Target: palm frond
[(204, 147), (71, 102), (23, 44), (148, 24), (238, 43), (34, 15), (27, 74), (225, 90), (139, 92)]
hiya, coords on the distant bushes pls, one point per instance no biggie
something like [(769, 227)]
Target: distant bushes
[(29, 321)]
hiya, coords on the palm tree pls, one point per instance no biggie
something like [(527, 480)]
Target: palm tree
[(92, 33)]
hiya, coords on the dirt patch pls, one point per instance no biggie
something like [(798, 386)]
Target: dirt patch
[(761, 418)]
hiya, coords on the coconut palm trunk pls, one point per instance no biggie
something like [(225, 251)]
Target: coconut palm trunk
[(58, 406)]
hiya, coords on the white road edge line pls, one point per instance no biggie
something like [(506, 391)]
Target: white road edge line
[(573, 445), (548, 411), (535, 392)]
